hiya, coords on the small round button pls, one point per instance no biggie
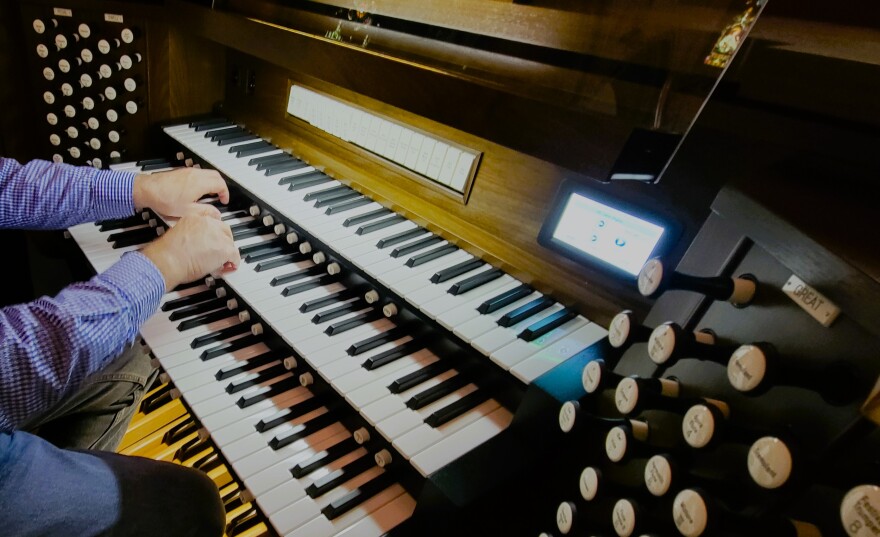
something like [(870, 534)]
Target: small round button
[(105, 71), (84, 31), (113, 136), (85, 80), (860, 511), (131, 107), (127, 35), (103, 46), (57, 159), (770, 462), (69, 111), (115, 154), (60, 41), (125, 61), (97, 163), (110, 92), (93, 123), (86, 55), (51, 118), (95, 144), (64, 65), (88, 103), (72, 132), (690, 513), (39, 26), (54, 139), (74, 152), (42, 50), (49, 97), (112, 116), (130, 84)]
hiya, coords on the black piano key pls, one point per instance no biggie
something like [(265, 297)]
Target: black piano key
[(220, 335), (412, 247), (354, 322), (314, 181), (548, 323), (366, 217), (208, 124), (229, 133), (267, 254), (207, 318), (456, 409), (330, 202), (417, 377), (230, 346), (475, 281), (319, 460), (340, 476), (267, 392), (191, 449), (147, 162), (229, 498), (189, 300), (254, 148), (391, 355), (294, 411), (263, 162), (156, 399), (234, 215), (381, 224), (209, 462), (297, 275), (456, 270), (259, 247), (237, 140), (400, 237), (348, 205), (436, 253), (302, 430), (504, 299), (339, 311), (122, 223), (340, 506), (378, 340), (318, 303), (263, 376), (326, 192), (144, 229), (246, 225), (525, 311), (222, 130), (156, 166), (280, 261), (250, 364), (243, 522), (180, 431), (135, 241), (291, 290), (284, 167), (435, 393), (253, 232), (197, 309), (308, 176)]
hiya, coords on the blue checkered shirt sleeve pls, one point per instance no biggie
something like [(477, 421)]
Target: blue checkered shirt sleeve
[(48, 346)]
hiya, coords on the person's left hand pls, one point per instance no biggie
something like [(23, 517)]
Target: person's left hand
[(176, 192)]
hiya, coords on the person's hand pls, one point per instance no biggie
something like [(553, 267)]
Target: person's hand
[(176, 192), (196, 246)]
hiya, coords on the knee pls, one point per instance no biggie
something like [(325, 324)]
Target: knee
[(202, 504)]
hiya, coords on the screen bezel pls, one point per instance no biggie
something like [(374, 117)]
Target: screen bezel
[(672, 228)]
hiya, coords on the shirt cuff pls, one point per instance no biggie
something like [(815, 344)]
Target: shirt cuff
[(114, 192), (141, 281)]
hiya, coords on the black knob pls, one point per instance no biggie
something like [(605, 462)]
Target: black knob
[(669, 343), (655, 279)]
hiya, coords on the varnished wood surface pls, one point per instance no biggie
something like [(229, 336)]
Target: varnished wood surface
[(511, 195)]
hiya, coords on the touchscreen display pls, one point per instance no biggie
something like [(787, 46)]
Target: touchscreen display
[(613, 236)]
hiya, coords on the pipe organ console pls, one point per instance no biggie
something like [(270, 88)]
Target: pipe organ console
[(594, 274)]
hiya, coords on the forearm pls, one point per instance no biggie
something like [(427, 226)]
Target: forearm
[(47, 347), (46, 195)]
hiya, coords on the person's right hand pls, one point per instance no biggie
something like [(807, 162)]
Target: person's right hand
[(196, 246)]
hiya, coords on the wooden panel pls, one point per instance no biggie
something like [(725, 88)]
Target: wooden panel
[(510, 198)]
